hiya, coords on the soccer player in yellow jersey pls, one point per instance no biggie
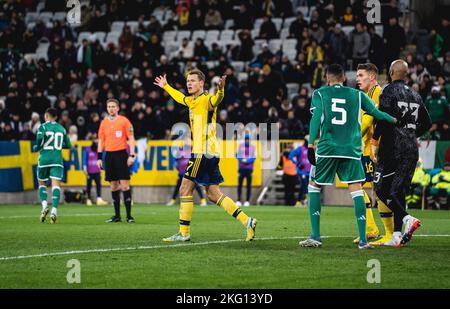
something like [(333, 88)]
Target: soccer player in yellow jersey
[(203, 166), (366, 77)]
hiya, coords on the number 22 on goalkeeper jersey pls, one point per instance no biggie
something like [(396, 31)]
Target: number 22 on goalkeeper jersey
[(51, 139), (339, 109)]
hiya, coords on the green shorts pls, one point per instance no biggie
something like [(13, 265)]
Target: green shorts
[(348, 170), (54, 172)]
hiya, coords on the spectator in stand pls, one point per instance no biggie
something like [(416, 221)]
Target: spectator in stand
[(438, 108), (348, 18), (317, 32), (243, 19), (244, 50), (297, 26), (360, 42), (336, 45), (376, 49), (394, 39), (186, 50), (268, 30), (213, 20), (201, 52), (289, 177)]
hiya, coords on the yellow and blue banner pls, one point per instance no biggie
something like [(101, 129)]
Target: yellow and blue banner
[(18, 166)]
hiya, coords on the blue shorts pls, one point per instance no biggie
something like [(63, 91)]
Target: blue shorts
[(368, 167), (203, 170)]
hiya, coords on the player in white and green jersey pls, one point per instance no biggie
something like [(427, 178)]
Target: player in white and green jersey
[(337, 115), (51, 139)]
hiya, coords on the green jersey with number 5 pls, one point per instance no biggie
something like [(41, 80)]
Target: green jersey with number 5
[(51, 139), (337, 115)]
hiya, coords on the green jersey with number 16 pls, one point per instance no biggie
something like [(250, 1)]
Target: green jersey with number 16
[(51, 139), (337, 114)]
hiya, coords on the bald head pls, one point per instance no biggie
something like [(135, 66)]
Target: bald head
[(398, 70)]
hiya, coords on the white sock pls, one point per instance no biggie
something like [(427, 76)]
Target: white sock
[(54, 211), (44, 205), (406, 218), (396, 235)]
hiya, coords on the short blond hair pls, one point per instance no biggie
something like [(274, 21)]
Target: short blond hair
[(200, 74)]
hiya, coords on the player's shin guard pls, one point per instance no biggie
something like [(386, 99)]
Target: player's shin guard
[(42, 193), (56, 195), (314, 211), (360, 213), (127, 200), (186, 208), (386, 217), (230, 207), (371, 227), (116, 202)]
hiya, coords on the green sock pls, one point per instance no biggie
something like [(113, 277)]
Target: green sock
[(360, 213), (56, 193), (314, 211), (42, 193)]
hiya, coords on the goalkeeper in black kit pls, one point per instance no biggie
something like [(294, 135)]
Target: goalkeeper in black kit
[(396, 150)]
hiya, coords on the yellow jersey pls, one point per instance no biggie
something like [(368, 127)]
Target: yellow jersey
[(202, 118), (367, 120)]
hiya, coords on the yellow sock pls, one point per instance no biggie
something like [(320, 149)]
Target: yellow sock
[(387, 218), (186, 208), (230, 207), (371, 226)]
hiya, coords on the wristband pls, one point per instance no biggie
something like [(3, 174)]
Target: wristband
[(99, 155)]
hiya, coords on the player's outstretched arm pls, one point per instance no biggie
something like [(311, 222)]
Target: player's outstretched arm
[(178, 96), (218, 97), (368, 106)]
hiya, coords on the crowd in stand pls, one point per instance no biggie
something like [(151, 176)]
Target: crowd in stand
[(81, 77)]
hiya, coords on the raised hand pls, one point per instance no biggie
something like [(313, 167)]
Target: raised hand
[(221, 82), (161, 81)]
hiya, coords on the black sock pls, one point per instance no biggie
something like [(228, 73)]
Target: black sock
[(127, 199), (116, 199)]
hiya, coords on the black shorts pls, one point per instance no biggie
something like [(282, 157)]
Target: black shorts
[(116, 167), (203, 170), (397, 181)]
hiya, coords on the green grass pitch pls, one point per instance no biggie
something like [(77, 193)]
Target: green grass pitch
[(124, 255)]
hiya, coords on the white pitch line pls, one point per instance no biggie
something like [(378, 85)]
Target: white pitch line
[(70, 215), (21, 257)]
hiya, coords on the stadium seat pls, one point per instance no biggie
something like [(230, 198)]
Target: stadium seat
[(61, 16), (45, 16), (278, 23), (30, 26), (284, 33), (289, 44), (133, 25), (257, 24), (238, 66), (274, 45), (117, 26), (100, 35), (112, 37), (52, 100), (379, 30), (169, 36), (242, 76), (211, 64), (288, 21), (255, 33), (83, 35), (40, 6), (183, 34), (212, 35), (347, 29), (229, 24), (292, 88), (31, 17), (227, 35), (198, 34), (304, 10), (291, 54)]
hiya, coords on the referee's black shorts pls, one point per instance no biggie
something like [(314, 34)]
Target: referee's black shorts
[(116, 167)]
